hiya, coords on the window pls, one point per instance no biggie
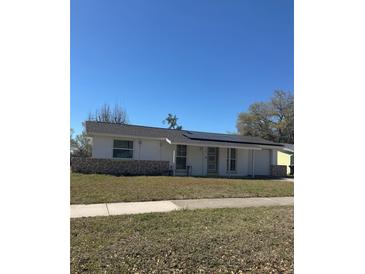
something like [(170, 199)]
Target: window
[(180, 157), (231, 159), (212, 159), (123, 149)]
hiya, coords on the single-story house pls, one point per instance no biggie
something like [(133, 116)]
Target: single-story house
[(286, 158), (185, 152)]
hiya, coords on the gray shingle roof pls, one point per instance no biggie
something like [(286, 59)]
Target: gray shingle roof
[(176, 136)]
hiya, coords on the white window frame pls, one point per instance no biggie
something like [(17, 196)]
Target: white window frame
[(229, 159), (129, 149)]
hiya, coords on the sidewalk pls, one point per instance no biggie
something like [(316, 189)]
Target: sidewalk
[(109, 209)]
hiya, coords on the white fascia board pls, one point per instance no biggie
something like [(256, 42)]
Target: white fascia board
[(222, 146), (271, 147), (286, 150), (128, 136)]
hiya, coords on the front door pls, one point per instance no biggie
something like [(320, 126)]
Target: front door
[(212, 160)]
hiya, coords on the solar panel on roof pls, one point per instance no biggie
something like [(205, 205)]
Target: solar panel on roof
[(224, 138)]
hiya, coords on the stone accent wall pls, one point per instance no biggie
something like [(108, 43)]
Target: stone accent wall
[(119, 167), (278, 171)]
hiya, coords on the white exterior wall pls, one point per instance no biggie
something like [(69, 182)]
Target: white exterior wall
[(205, 160), (167, 152), (222, 161), (102, 147), (242, 163), (195, 159), (143, 149), (262, 162), (149, 149), (274, 157)]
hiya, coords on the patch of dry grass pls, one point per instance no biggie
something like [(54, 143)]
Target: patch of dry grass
[(94, 188), (248, 240)]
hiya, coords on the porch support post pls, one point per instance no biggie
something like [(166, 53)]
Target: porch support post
[(253, 163), (202, 150), (139, 149), (229, 162), (173, 161), (274, 156)]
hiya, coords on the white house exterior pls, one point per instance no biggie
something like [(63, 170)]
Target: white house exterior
[(188, 152)]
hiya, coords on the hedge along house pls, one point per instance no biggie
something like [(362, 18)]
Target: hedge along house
[(186, 152)]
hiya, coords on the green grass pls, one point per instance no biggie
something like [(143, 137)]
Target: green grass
[(246, 240), (93, 188)]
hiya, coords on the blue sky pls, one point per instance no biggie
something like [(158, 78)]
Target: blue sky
[(203, 60)]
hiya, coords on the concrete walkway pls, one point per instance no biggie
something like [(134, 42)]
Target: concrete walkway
[(109, 209)]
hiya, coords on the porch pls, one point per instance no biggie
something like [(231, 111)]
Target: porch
[(191, 160)]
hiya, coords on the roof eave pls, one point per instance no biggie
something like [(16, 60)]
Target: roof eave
[(127, 136), (251, 147)]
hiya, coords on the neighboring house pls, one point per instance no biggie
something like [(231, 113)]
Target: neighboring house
[(73, 149), (286, 158), (188, 152)]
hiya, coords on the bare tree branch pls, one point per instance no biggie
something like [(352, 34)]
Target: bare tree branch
[(105, 114)]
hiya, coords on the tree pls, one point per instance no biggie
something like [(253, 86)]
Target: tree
[(116, 115), (172, 122), (273, 120), (72, 141), (80, 145)]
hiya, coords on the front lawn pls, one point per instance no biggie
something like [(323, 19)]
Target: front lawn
[(248, 240), (93, 188)]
